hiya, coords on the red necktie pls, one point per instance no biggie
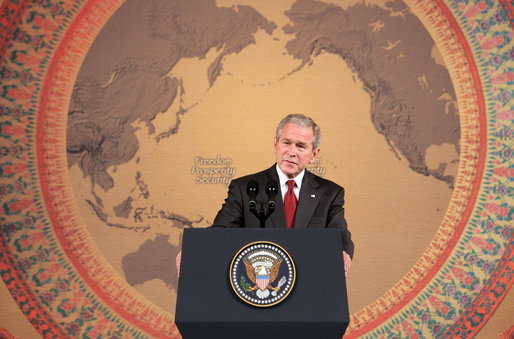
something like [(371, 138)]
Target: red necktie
[(290, 204)]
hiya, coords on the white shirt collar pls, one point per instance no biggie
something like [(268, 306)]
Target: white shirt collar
[(283, 178)]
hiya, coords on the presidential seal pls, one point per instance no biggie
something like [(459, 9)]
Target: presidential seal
[(262, 274)]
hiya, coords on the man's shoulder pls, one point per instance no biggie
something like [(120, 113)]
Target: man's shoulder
[(322, 182)]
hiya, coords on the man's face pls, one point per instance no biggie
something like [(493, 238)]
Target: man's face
[(293, 149)]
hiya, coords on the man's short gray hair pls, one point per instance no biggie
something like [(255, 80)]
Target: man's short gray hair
[(304, 121)]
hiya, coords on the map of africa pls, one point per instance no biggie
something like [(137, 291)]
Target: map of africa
[(166, 82)]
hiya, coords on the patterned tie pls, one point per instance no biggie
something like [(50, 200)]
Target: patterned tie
[(290, 204)]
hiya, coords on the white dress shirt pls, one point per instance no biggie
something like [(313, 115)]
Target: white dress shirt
[(283, 183)]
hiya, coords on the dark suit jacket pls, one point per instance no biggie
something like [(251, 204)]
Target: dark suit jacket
[(320, 205)]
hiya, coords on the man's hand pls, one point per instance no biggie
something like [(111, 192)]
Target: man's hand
[(347, 263), (179, 258)]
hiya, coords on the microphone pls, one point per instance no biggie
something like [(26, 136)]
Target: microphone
[(271, 191), (252, 188)]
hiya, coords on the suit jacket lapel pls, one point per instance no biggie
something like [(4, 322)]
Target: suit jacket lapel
[(309, 199)]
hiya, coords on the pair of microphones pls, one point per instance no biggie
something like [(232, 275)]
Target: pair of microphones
[(252, 189)]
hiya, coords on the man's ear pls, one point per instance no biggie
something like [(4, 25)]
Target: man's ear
[(314, 155)]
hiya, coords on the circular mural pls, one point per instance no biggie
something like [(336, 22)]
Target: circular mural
[(166, 105), (96, 93)]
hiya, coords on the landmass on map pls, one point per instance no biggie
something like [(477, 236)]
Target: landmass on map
[(151, 261), (124, 79), (412, 97)]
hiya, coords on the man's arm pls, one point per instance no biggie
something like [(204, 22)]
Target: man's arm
[(336, 219)]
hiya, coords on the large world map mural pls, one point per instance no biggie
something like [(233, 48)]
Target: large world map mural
[(122, 123)]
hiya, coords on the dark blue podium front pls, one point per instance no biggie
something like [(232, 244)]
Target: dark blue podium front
[(207, 306)]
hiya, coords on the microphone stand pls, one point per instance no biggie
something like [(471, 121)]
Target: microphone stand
[(261, 215)]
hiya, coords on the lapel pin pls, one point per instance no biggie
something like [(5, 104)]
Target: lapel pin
[(313, 195)]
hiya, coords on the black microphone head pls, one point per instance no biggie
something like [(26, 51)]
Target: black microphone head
[(252, 188), (272, 189)]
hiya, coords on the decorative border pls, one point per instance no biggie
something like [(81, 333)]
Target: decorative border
[(51, 293), (54, 178), (4, 333), (8, 23), (508, 8), (48, 260)]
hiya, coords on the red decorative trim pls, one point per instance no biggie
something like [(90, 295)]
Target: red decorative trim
[(6, 334), (508, 8), (24, 297), (508, 334), (10, 17), (465, 326)]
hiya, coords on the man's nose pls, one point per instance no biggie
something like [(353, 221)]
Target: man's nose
[(292, 150)]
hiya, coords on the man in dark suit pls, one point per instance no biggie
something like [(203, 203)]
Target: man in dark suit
[(304, 199)]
